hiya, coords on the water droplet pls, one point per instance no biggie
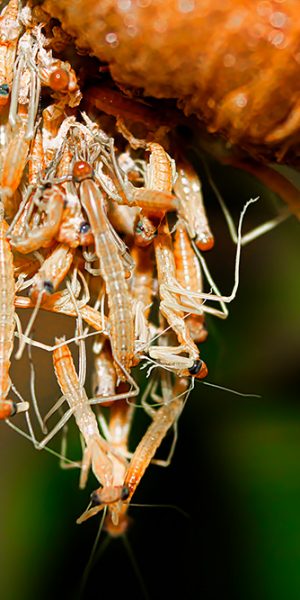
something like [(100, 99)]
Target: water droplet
[(186, 6), (124, 5), (229, 60), (264, 9), (111, 38), (277, 38), (241, 100), (278, 19), (132, 30), (236, 19)]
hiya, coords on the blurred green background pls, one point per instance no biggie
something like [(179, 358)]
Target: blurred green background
[(236, 469)]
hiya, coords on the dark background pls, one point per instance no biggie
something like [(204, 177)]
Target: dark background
[(236, 469)]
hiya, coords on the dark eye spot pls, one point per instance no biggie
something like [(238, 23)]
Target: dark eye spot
[(14, 409), (195, 368), (4, 89), (48, 287), (95, 500), (140, 227), (84, 227), (125, 492)]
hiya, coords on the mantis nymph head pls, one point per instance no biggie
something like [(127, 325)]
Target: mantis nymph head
[(112, 496), (82, 170), (198, 370)]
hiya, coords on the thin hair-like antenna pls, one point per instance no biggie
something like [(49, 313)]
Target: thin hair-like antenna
[(135, 567), (29, 326), (225, 389), (33, 394), (89, 564), (154, 364)]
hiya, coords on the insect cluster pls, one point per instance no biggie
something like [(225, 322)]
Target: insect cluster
[(103, 227)]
